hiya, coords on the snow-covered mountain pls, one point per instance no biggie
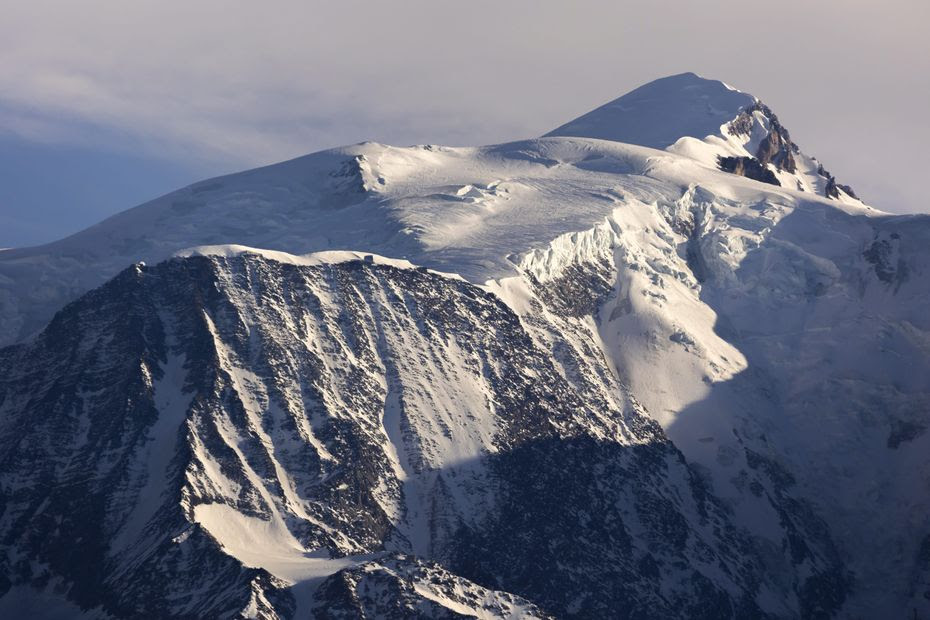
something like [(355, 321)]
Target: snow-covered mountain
[(654, 364), (714, 123)]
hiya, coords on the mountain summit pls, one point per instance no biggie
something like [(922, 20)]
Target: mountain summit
[(659, 113), (564, 377), (714, 123)]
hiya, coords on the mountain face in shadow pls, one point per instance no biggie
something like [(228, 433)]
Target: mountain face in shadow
[(358, 409)]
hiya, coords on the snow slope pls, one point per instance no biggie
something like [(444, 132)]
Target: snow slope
[(707, 120), (662, 112), (460, 210)]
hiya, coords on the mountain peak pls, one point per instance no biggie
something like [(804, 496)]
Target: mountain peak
[(661, 112), (711, 122)]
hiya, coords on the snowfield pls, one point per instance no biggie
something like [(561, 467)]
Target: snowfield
[(352, 311)]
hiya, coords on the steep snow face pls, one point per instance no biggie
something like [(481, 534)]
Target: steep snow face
[(827, 310), (273, 420), (659, 113), (792, 340)]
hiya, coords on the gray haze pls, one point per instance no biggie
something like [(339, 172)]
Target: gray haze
[(222, 85)]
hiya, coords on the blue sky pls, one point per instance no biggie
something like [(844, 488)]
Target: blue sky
[(106, 104), (50, 190)]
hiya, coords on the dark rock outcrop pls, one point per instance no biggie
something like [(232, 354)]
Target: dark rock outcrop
[(776, 148), (748, 167), (832, 188)]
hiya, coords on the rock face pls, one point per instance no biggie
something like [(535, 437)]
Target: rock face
[(403, 587), (347, 410), (775, 152), (748, 167), (832, 188), (776, 147)]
